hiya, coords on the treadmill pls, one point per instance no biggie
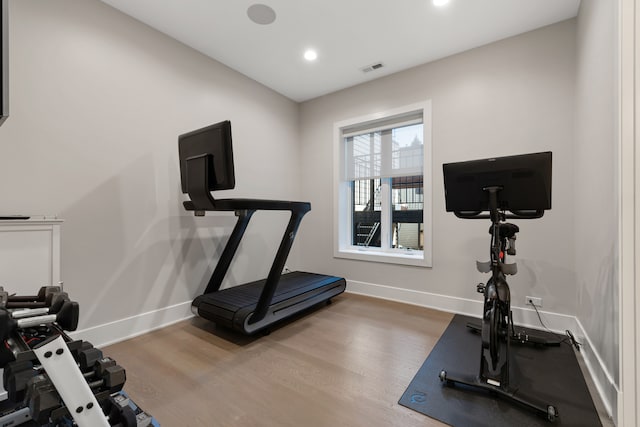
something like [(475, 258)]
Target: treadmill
[(206, 164)]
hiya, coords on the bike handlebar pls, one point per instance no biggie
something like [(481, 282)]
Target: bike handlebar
[(495, 213), (515, 214)]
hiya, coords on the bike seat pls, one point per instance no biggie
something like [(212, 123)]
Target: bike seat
[(506, 230)]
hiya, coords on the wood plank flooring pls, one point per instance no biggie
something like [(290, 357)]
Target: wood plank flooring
[(345, 364)]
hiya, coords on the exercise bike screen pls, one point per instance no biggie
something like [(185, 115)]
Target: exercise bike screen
[(524, 182)]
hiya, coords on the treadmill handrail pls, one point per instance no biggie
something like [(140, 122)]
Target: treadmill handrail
[(251, 204)]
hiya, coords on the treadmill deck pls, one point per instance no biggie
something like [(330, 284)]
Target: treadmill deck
[(296, 291)]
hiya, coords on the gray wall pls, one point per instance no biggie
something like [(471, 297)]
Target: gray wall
[(510, 97), (596, 172), (97, 103)]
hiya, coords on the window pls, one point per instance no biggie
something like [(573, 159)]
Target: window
[(383, 186)]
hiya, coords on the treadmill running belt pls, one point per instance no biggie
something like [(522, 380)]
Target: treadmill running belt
[(296, 291)]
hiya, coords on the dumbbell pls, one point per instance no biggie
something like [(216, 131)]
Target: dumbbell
[(108, 374), (15, 377), (45, 298), (87, 356), (66, 318), (103, 371), (41, 398), (57, 301), (119, 415), (47, 408)]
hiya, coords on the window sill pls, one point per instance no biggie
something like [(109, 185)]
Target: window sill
[(414, 258)]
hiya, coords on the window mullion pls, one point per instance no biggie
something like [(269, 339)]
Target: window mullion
[(385, 196), (385, 214)]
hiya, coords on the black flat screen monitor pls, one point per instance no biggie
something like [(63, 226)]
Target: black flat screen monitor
[(214, 144), (524, 181), (4, 61)]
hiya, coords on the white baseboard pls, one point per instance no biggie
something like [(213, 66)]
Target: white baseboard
[(124, 329), (522, 316), (602, 379), (526, 317)]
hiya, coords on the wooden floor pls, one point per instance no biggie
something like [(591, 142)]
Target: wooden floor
[(346, 364)]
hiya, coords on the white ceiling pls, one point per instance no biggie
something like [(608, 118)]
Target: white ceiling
[(348, 34)]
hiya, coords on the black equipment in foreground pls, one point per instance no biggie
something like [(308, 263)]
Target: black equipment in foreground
[(206, 164), (52, 380), (521, 185)]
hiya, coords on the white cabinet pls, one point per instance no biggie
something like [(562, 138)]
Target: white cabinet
[(29, 257), (29, 254)]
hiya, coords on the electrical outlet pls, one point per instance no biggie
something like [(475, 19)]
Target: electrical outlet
[(533, 301)]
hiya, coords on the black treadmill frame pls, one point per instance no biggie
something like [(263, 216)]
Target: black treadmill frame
[(201, 200)]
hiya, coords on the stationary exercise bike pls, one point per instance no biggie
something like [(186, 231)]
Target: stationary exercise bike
[(496, 318), (521, 185)]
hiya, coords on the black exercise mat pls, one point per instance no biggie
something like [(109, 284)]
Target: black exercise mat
[(548, 374)]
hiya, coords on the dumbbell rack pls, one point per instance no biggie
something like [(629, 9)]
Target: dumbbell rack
[(52, 380)]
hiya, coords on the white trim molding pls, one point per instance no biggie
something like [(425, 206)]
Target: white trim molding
[(131, 327), (628, 411), (603, 381)]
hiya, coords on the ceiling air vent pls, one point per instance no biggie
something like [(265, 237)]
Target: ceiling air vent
[(372, 67)]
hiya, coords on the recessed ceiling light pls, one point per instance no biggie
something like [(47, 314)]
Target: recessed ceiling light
[(440, 2), (261, 14), (310, 55)]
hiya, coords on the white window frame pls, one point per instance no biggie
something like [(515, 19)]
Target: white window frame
[(342, 195)]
